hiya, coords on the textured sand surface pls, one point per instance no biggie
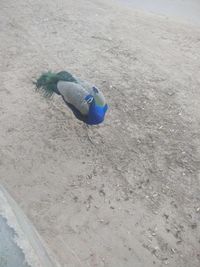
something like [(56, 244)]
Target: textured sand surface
[(183, 10), (126, 193)]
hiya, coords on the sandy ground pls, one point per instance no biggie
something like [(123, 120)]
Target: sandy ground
[(185, 10), (126, 193)]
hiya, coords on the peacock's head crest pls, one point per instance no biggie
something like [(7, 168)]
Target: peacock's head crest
[(95, 90)]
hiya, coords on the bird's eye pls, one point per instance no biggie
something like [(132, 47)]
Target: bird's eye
[(89, 99), (95, 90)]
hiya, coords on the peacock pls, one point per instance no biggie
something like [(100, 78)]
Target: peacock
[(86, 101)]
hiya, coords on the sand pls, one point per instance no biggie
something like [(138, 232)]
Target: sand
[(125, 193), (185, 10)]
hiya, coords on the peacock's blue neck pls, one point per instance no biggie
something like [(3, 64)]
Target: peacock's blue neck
[(96, 113)]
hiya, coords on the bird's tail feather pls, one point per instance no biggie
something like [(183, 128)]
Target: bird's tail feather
[(47, 83)]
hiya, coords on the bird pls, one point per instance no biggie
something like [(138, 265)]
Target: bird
[(85, 100)]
